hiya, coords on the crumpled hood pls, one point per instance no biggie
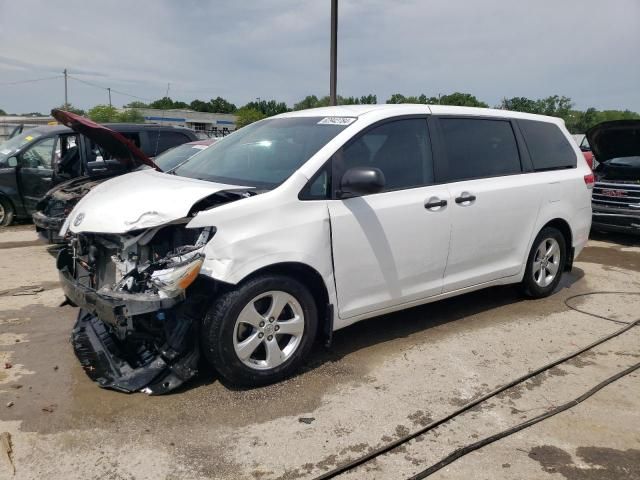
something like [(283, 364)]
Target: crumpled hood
[(137, 200), (615, 139)]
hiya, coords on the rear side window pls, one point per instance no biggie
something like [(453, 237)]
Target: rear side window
[(547, 145), (399, 148), (478, 148), (162, 140)]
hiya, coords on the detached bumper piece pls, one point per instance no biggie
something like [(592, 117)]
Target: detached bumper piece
[(132, 343), (129, 366)]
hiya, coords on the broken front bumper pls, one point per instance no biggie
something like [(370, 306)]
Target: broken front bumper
[(129, 365)]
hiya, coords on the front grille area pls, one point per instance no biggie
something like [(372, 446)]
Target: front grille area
[(55, 208), (616, 194)]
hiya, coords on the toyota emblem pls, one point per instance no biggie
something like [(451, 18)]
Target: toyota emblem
[(78, 219)]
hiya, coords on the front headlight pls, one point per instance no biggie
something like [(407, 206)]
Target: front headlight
[(174, 280)]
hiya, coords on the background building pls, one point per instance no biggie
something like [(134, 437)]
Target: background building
[(211, 123)]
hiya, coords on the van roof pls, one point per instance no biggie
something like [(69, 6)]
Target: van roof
[(410, 108)]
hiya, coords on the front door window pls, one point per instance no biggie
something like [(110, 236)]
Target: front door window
[(39, 155)]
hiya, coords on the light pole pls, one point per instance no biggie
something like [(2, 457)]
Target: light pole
[(333, 98), (66, 99)]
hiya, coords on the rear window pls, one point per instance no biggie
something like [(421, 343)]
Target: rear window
[(478, 148), (162, 140), (547, 145)]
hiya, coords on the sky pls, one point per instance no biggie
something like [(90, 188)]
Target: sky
[(279, 49)]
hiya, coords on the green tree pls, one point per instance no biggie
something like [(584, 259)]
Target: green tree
[(462, 100), (2, 112), (180, 105), (268, 107), (103, 114), (519, 104), (67, 107), (554, 105), (422, 98), (200, 106), (136, 104), (165, 103), (310, 101), (109, 114), (220, 105), (130, 115), (246, 116)]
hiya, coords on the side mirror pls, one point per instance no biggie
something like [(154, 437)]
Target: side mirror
[(12, 162), (359, 181)]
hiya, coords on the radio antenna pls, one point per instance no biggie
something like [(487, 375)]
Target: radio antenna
[(166, 95)]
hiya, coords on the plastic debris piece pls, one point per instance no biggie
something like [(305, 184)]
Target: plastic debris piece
[(5, 444)]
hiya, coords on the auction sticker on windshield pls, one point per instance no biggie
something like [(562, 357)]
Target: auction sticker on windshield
[(337, 121)]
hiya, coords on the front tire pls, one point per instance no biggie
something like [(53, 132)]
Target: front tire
[(545, 264), (6, 212), (260, 332)]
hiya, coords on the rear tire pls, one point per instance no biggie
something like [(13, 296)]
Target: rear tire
[(6, 212), (545, 264), (240, 336)]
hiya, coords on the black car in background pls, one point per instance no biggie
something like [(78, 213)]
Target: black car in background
[(616, 193), (60, 200), (34, 161)]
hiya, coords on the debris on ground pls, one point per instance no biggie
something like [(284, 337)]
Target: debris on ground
[(10, 404), (7, 365), (49, 408), (306, 420), (5, 444)]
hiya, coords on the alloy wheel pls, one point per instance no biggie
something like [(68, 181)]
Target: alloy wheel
[(2, 213), (546, 262), (268, 330)]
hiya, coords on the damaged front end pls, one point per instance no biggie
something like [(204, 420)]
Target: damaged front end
[(134, 331)]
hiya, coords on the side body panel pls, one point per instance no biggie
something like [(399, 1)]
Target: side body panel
[(490, 236), (265, 230), (388, 248)]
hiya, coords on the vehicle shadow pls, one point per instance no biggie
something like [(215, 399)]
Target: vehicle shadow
[(402, 324)]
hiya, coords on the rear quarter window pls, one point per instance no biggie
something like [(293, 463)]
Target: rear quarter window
[(548, 147)]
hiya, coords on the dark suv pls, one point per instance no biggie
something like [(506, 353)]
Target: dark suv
[(36, 160)]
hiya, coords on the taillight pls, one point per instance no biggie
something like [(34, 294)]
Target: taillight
[(588, 156), (589, 180)]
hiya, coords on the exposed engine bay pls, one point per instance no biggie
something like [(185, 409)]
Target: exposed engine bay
[(134, 331)]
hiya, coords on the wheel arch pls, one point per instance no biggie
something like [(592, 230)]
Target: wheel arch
[(314, 281), (563, 226), (7, 199)]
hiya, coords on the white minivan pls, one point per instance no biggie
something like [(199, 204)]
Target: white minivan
[(301, 224)]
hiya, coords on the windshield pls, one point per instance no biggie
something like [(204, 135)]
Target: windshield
[(264, 154), (172, 158), (11, 146)]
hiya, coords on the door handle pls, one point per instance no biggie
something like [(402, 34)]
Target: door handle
[(435, 203), (465, 197)]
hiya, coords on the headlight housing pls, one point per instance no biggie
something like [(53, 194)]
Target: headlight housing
[(172, 281)]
